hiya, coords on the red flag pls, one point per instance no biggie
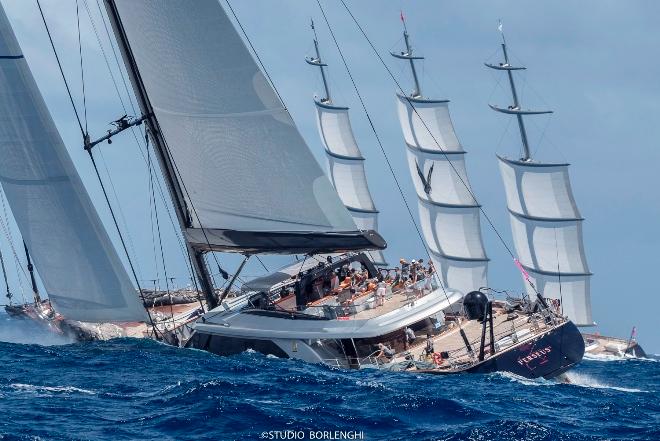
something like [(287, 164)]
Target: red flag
[(403, 19), (522, 270)]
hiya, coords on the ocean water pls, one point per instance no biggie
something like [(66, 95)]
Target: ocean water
[(134, 389)]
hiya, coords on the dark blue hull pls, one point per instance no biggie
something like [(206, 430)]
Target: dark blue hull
[(546, 356)]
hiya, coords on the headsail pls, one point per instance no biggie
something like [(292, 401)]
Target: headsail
[(249, 182), (545, 222), (345, 161), (78, 265), (449, 215)]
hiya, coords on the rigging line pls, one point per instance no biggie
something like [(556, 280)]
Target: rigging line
[(561, 298), (59, 65), (105, 56), (121, 211), (4, 275), (380, 144), (82, 69), (160, 243), (467, 187), (4, 223), (104, 163), (190, 266), (123, 243), (262, 264), (133, 129), (256, 54), (151, 219), (542, 137)]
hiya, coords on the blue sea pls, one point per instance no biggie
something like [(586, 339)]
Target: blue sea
[(51, 389)]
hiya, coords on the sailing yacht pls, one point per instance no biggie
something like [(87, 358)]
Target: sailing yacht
[(293, 314), (547, 229)]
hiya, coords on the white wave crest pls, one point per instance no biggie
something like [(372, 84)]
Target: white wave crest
[(569, 378), (584, 380), (526, 381), (612, 357), (57, 389)]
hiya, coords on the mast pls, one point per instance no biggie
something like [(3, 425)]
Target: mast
[(160, 148), (408, 55), (4, 274), (317, 62), (449, 215), (546, 224), (515, 108), (33, 280), (344, 158)]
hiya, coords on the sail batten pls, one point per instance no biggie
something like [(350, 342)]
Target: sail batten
[(244, 168), (80, 269)]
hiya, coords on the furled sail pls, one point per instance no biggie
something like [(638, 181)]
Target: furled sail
[(449, 215), (345, 161), (545, 222), (83, 276), (249, 181), (547, 233)]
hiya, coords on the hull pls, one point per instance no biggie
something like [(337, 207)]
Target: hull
[(600, 345), (547, 355), (170, 330)]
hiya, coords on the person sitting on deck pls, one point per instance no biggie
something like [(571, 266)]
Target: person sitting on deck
[(385, 353)]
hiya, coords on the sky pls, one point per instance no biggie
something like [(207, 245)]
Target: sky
[(593, 62)]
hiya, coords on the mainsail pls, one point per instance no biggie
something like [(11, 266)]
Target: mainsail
[(545, 221), (449, 214), (345, 161), (247, 180), (80, 269)]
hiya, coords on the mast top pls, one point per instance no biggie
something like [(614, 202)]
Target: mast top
[(514, 109), (316, 61), (408, 55)]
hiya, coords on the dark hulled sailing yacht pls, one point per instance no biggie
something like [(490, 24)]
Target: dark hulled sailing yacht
[(546, 225)]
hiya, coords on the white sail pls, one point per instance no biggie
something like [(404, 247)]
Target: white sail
[(547, 233), (249, 180), (346, 168), (79, 267), (449, 215)]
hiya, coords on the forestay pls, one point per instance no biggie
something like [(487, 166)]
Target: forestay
[(346, 168), (547, 233), (79, 267), (249, 181), (449, 215)]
